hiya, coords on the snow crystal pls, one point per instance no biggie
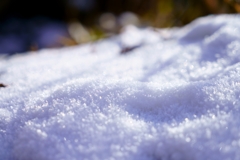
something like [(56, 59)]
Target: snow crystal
[(168, 98)]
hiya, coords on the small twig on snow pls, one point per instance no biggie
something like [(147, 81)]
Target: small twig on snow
[(2, 85)]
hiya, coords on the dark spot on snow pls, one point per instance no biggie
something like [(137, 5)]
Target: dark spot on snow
[(2, 85), (128, 49)]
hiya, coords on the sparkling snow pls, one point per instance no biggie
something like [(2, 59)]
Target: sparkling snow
[(173, 95)]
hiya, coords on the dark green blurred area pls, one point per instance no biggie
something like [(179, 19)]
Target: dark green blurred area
[(25, 24)]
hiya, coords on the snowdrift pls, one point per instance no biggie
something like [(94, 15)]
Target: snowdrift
[(169, 94)]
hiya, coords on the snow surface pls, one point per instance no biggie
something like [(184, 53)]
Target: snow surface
[(174, 96)]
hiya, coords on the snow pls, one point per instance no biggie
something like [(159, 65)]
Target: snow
[(174, 95)]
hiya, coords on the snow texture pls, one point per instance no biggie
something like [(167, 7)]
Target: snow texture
[(174, 94)]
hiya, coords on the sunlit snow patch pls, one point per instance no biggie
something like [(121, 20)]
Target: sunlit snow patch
[(174, 96)]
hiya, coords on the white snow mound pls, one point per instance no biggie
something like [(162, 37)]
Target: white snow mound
[(145, 94)]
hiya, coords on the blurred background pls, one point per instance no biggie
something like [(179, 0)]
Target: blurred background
[(28, 25)]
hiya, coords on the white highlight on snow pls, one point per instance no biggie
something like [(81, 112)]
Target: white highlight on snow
[(176, 96)]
